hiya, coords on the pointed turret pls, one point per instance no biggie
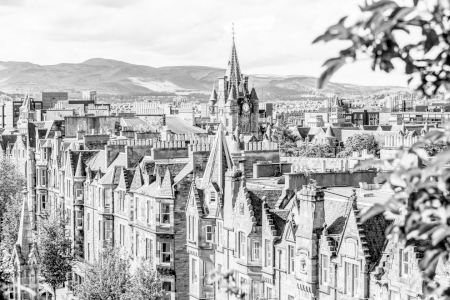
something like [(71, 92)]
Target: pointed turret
[(232, 94), (80, 171), (253, 95), (167, 185), (213, 97), (218, 162), (329, 134), (137, 179), (25, 236), (233, 72)]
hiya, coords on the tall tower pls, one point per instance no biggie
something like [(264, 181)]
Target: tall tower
[(27, 114), (312, 219), (234, 104)]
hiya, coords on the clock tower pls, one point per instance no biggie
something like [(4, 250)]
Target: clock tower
[(233, 104)]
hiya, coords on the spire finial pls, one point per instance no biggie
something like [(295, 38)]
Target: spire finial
[(232, 29)]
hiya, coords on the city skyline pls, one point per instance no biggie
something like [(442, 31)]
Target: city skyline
[(269, 38)]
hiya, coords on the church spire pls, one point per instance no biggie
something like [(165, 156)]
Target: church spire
[(233, 72), (25, 237)]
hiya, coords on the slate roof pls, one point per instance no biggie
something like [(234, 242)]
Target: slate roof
[(272, 196), (374, 230), (112, 175), (179, 126), (335, 215), (98, 161), (279, 217), (257, 207)]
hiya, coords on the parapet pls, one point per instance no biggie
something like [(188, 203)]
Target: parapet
[(260, 146)]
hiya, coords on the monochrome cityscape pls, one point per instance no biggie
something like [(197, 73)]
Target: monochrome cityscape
[(122, 181)]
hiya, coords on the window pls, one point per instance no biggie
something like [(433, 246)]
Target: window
[(256, 289), (88, 221), (268, 254), (120, 234), (148, 248), (256, 250), (43, 202), (355, 280), (194, 271), (209, 233), (219, 269), (148, 212), (213, 196), (43, 177), (348, 278), (220, 238), (351, 279), (244, 287), (291, 259), (290, 297), (325, 269), (88, 251), (165, 213), (167, 286), (79, 193), (100, 230), (269, 292), (137, 244), (165, 252), (79, 216), (242, 245), (404, 263), (136, 208), (351, 248), (207, 268), (394, 295)]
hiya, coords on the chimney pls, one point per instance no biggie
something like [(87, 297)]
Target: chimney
[(232, 184)]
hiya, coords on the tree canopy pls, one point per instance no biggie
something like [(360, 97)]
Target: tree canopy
[(359, 142), (55, 251), (110, 277)]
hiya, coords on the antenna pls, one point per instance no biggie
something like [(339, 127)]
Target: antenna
[(232, 29)]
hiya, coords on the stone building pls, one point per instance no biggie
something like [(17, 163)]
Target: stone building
[(234, 104)]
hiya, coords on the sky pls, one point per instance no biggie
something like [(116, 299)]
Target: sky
[(272, 37)]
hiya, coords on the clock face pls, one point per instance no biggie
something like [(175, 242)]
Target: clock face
[(246, 107)]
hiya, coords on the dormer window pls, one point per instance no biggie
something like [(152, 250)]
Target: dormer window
[(351, 248)]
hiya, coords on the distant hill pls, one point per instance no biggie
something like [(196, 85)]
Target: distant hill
[(117, 77)]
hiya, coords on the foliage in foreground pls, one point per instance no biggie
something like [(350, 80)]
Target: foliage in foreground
[(11, 185), (55, 251), (110, 278), (421, 203)]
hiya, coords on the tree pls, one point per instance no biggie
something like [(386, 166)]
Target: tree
[(11, 185), (359, 142), (421, 203), (108, 278), (286, 139), (10, 229), (433, 148), (144, 284), (314, 150), (55, 251)]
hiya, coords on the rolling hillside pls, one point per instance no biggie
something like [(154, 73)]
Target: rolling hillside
[(116, 77)]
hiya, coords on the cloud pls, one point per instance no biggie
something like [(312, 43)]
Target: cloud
[(272, 37)]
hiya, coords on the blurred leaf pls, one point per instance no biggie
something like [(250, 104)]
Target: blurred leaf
[(380, 6), (432, 39), (326, 75), (439, 235), (401, 12)]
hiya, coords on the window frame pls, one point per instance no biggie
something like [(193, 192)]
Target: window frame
[(256, 250), (165, 254), (209, 233)]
